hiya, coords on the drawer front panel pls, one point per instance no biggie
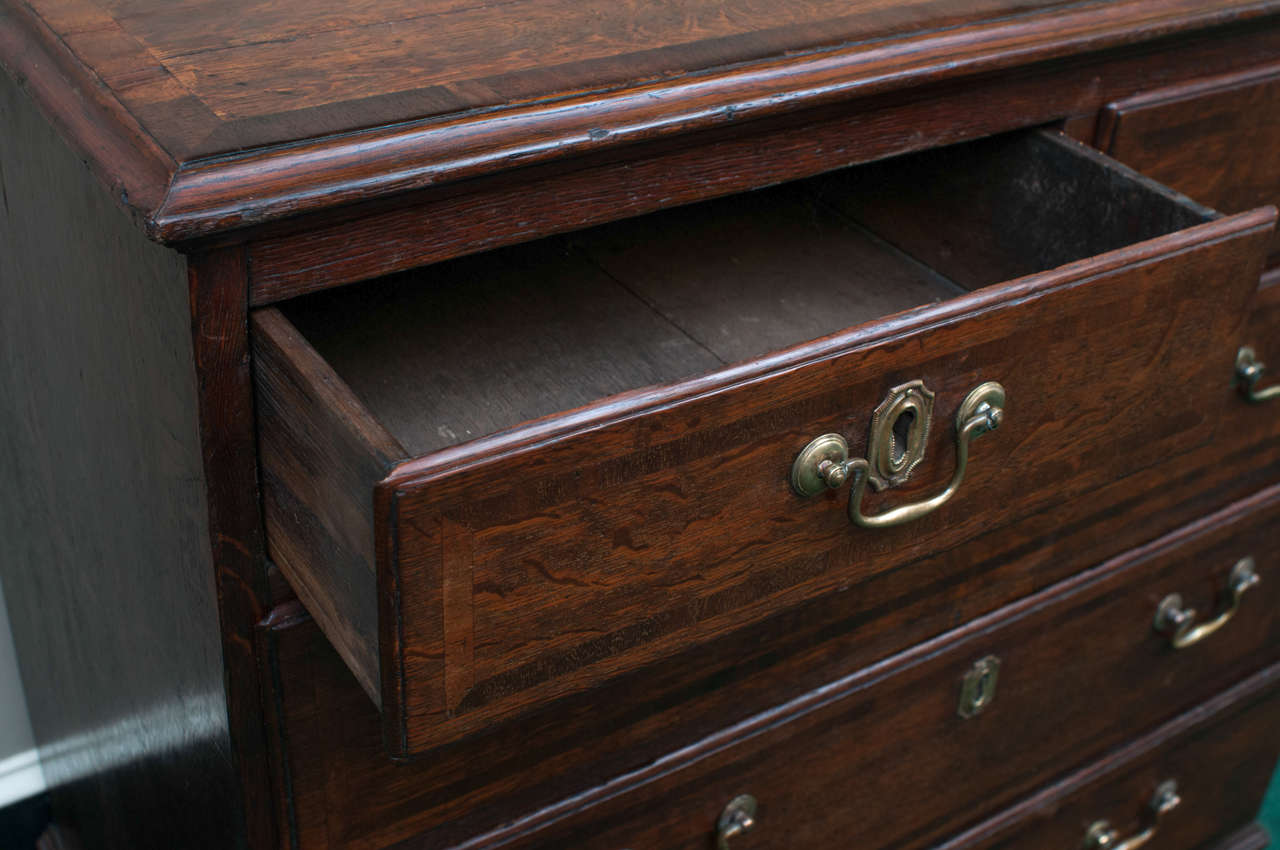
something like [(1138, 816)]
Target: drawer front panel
[(900, 756), (1216, 140), (522, 568), (1220, 758)]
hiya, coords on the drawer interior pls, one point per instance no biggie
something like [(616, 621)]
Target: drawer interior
[(478, 345)]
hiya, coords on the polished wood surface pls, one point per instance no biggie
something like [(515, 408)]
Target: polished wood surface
[(1092, 633), (316, 431), (467, 639), (1216, 139), (217, 284), (324, 250), (680, 809), (605, 591), (393, 114), (1217, 753), (104, 544)]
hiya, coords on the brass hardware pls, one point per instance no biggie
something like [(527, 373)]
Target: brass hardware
[(825, 463), (979, 686), (892, 455), (738, 818), (1179, 622), (1100, 835), (1249, 372)]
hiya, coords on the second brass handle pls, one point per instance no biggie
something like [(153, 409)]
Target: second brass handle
[(825, 462), (1249, 371), (1179, 623), (1100, 835)]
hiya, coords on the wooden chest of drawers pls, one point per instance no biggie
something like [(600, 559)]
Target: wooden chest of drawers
[(644, 425)]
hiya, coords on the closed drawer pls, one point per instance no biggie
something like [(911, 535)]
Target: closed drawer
[(468, 579), (900, 756), (1217, 140), (1219, 759), (880, 758)]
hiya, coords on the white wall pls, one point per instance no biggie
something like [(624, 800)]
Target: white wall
[(19, 772)]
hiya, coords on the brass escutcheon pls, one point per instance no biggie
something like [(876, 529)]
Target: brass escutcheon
[(978, 689), (894, 451)]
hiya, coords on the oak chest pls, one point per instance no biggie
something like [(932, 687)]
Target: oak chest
[(635, 425)]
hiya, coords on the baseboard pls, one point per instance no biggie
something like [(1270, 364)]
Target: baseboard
[(20, 778)]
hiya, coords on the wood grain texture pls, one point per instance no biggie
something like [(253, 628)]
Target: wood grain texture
[(317, 251), (802, 763), (349, 795), (389, 97), (1216, 139), (1221, 755), (571, 514), (217, 286), (321, 455), (955, 209), (452, 353), (555, 556), (104, 521)]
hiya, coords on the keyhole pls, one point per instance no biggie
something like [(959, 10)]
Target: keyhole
[(901, 437), (982, 693)]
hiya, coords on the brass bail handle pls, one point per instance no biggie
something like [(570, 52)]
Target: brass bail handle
[(1179, 623), (894, 451), (1249, 371), (1100, 835)]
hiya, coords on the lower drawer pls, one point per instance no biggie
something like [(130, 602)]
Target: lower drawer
[(901, 754), (1217, 759)]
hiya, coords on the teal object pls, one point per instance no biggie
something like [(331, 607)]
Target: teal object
[(1270, 817)]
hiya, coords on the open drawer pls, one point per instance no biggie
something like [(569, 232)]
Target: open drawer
[(512, 478)]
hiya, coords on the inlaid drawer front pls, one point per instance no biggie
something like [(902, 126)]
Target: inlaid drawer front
[(604, 524), (1197, 781), (951, 732), (1217, 140)]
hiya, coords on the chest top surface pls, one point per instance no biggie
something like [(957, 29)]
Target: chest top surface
[(208, 115)]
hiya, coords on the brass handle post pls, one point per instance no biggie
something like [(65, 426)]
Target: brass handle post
[(1249, 371), (825, 462), (1179, 622), (738, 818), (1100, 835)]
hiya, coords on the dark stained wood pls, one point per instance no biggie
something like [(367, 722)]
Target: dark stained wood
[(762, 271), (119, 151), (348, 795), (104, 517), (461, 351), (314, 252), (1216, 139), (547, 536), (217, 286), (597, 537), (321, 455), (1221, 755), (841, 768), (444, 98), (953, 208)]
